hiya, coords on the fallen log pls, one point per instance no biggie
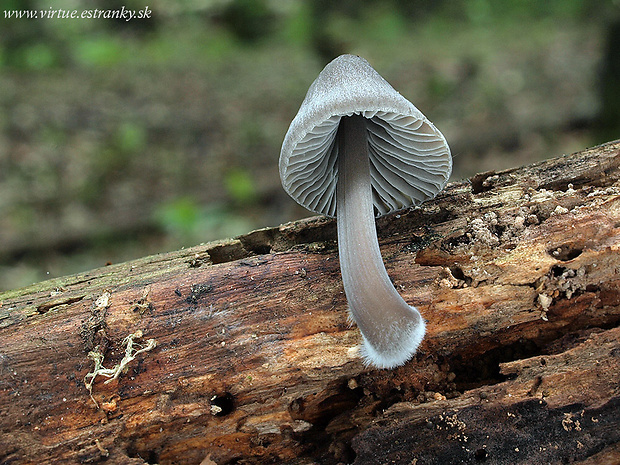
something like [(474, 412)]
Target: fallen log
[(240, 351)]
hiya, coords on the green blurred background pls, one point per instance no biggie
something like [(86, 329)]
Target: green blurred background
[(120, 139)]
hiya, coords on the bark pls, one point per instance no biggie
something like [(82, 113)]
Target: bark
[(246, 354)]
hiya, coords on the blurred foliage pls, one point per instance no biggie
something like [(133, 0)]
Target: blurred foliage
[(183, 111), (187, 220), (249, 20), (240, 186), (323, 26), (609, 118), (99, 51), (130, 138), (180, 216)]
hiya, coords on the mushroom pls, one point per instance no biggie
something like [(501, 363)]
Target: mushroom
[(355, 150)]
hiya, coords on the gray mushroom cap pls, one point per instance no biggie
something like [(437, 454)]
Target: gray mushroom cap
[(410, 159)]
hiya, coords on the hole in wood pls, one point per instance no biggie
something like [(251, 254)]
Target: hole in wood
[(557, 271), (565, 252), (458, 273), (453, 242), (481, 455), (483, 182), (225, 253), (147, 456), (222, 405), (259, 242)]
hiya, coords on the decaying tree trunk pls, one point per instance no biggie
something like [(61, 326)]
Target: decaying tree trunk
[(240, 351)]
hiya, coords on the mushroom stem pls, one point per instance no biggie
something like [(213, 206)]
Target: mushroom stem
[(391, 329)]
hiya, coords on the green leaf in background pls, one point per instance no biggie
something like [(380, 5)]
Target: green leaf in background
[(240, 186), (179, 216), (40, 56), (189, 222), (100, 51), (131, 137)]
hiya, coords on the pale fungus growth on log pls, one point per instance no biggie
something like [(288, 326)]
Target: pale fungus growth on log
[(355, 150), (132, 350)]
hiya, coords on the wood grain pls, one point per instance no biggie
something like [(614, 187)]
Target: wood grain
[(517, 274)]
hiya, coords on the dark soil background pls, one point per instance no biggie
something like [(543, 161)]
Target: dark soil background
[(120, 138)]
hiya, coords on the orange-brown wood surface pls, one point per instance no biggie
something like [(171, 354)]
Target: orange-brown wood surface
[(253, 360)]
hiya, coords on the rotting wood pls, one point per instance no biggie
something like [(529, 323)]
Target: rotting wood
[(516, 272)]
